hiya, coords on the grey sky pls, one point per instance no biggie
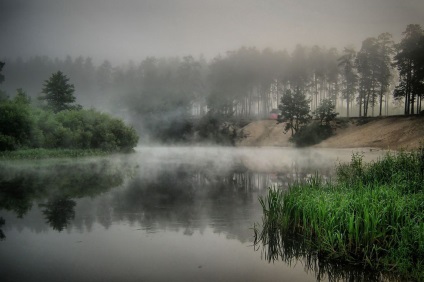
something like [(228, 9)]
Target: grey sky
[(120, 30)]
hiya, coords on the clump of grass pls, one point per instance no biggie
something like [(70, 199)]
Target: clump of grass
[(373, 216), (34, 154)]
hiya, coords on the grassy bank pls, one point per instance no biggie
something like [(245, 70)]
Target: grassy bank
[(372, 216), (33, 154)]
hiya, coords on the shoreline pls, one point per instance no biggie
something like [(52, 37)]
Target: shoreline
[(377, 133)]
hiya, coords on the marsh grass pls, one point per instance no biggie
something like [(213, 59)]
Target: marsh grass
[(33, 154), (373, 216)]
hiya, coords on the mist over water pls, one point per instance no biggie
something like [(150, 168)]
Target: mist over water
[(161, 213)]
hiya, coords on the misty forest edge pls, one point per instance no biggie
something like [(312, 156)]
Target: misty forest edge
[(240, 87), (57, 122), (185, 100)]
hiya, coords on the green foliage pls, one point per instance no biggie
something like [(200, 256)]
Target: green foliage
[(295, 113), (312, 134), (295, 110), (213, 127), (85, 129), (326, 112), (40, 153), (22, 126), (59, 93), (15, 125), (372, 216)]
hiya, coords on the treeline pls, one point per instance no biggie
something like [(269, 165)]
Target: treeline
[(55, 121), (162, 94)]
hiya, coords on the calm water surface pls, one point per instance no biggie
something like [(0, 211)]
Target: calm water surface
[(160, 214)]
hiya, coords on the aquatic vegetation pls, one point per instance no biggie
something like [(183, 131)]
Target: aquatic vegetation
[(372, 216)]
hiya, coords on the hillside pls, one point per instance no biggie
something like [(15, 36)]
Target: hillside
[(395, 132)]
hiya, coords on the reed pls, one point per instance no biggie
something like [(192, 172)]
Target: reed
[(372, 216)]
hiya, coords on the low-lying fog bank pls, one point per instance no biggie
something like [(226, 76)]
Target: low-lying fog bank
[(253, 158)]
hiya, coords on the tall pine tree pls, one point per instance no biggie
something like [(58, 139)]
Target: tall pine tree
[(59, 93)]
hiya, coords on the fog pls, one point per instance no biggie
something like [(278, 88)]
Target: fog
[(130, 29), (158, 64)]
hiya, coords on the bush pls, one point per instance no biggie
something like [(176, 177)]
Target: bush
[(89, 129), (312, 134), (15, 125), (213, 128), (23, 126)]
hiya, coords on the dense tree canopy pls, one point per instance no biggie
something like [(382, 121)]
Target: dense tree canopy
[(15, 124), (23, 125)]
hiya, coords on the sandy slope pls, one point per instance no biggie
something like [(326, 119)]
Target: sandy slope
[(265, 133), (386, 133)]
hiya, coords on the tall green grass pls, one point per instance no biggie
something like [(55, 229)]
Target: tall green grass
[(372, 216), (33, 154)]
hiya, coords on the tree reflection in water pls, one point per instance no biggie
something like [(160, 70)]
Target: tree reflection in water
[(162, 196), (58, 212), (56, 186), (2, 222)]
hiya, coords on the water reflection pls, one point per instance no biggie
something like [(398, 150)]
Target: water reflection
[(2, 222), (292, 249), (159, 192), (58, 212), (54, 185)]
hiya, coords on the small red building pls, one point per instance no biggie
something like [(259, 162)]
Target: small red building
[(274, 114)]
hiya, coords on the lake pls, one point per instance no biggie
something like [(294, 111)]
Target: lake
[(159, 214)]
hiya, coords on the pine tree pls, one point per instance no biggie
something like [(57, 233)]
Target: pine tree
[(59, 93), (409, 62), (295, 110)]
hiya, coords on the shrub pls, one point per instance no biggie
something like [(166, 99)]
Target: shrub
[(15, 125), (312, 134)]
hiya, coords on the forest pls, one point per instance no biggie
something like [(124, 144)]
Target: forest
[(171, 98), (55, 121)]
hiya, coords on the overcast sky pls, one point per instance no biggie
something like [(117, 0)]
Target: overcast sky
[(121, 30)]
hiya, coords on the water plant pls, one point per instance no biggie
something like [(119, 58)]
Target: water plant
[(372, 216)]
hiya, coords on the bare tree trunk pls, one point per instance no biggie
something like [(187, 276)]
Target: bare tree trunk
[(381, 102)]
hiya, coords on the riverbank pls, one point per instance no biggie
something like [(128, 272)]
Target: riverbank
[(371, 217), (389, 133), (33, 154)]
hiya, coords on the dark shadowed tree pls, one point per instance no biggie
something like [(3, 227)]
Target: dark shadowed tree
[(59, 93), (350, 79), (15, 122), (384, 75), (409, 62), (373, 63), (295, 110), (367, 63), (326, 112), (1, 75)]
